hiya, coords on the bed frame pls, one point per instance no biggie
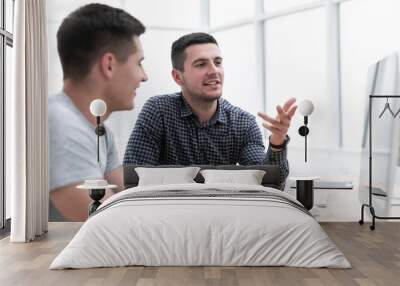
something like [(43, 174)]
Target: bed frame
[(270, 179)]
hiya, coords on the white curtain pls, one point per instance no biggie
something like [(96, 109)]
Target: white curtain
[(27, 134)]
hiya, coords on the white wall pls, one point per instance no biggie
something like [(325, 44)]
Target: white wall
[(166, 14), (57, 10), (277, 5), (238, 10), (298, 62), (369, 38), (296, 67)]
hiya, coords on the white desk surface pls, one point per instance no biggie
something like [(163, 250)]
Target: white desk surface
[(310, 178)]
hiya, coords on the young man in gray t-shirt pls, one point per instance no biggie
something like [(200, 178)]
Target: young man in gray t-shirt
[(101, 57)]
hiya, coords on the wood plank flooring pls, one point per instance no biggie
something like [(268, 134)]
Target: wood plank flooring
[(374, 255)]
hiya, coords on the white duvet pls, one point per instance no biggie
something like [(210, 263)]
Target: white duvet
[(182, 231)]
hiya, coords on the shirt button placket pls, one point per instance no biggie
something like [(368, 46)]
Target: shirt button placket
[(203, 142)]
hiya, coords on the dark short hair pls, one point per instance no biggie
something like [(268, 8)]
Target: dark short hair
[(178, 55), (91, 31)]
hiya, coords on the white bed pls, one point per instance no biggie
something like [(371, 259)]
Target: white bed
[(224, 225)]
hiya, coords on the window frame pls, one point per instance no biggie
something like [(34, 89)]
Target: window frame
[(6, 39)]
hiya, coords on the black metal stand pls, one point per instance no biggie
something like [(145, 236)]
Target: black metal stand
[(305, 193), (369, 205), (96, 195)]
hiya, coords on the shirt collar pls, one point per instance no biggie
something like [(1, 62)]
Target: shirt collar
[(219, 115), (186, 110)]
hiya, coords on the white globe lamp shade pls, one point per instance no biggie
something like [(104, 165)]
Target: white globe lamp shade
[(98, 107), (306, 107)]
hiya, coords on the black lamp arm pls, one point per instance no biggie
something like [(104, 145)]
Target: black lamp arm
[(100, 131), (98, 138), (303, 131)]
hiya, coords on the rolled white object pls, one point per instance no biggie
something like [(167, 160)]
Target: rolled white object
[(98, 107), (306, 107)]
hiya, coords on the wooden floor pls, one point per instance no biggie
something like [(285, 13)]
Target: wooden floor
[(374, 255)]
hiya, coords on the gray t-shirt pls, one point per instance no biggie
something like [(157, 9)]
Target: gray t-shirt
[(73, 147)]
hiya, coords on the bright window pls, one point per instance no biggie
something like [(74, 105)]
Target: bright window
[(296, 67), (227, 11)]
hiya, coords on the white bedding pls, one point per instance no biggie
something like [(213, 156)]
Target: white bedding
[(186, 230)]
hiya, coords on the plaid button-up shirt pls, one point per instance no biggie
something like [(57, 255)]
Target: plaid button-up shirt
[(167, 132)]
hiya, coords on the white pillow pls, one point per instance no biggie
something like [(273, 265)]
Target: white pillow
[(248, 177), (164, 176)]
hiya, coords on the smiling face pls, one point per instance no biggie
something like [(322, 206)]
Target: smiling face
[(126, 78), (203, 74)]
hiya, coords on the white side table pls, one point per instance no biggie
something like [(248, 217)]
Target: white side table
[(97, 190), (305, 190)]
